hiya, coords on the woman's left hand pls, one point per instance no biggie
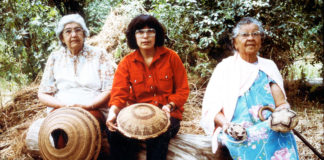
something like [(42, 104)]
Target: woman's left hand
[(167, 109), (86, 107)]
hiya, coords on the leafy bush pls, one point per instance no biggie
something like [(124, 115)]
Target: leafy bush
[(293, 28), (96, 13), (198, 30), (27, 37)]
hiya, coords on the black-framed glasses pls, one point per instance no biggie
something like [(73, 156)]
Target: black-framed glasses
[(150, 32)]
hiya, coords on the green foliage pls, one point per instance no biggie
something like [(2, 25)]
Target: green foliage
[(297, 31), (96, 12), (27, 34), (27, 37), (69, 6), (294, 28), (304, 69), (185, 32), (198, 30)]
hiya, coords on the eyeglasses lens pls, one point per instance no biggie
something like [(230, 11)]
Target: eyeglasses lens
[(149, 32)]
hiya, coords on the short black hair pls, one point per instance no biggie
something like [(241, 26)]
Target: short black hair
[(140, 22)]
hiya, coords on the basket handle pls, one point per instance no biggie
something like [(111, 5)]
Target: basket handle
[(262, 109)]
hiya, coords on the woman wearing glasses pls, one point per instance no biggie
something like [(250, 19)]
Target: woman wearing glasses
[(76, 75), (239, 87), (151, 74)]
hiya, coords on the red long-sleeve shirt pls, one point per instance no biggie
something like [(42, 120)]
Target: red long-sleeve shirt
[(164, 81)]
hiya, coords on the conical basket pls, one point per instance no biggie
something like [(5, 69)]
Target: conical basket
[(82, 130)]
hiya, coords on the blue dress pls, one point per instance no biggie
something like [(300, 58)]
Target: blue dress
[(262, 142)]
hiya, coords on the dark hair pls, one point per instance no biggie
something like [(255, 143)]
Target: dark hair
[(140, 22)]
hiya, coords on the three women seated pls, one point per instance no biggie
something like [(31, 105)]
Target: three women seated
[(83, 76)]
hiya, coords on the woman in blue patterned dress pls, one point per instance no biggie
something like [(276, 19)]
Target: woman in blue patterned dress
[(239, 87)]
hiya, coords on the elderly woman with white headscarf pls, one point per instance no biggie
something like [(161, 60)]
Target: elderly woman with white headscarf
[(240, 86), (77, 75)]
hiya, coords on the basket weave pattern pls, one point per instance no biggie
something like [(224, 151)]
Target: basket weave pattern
[(142, 121), (82, 129)]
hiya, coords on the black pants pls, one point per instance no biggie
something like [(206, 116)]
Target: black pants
[(123, 148)]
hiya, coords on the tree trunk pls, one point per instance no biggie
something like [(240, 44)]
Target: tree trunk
[(193, 147), (181, 147)]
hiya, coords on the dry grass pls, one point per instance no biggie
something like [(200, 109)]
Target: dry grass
[(17, 116), (311, 120), (25, 108), (310, 125), (112, 36), (24, 105), (191, 115)]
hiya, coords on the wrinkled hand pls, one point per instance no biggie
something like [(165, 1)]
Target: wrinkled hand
[(167, 109), (283, 120), (111, 120), (237, 131)]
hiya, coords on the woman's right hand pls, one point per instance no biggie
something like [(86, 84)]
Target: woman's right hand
[(111, 120), (235, 130)]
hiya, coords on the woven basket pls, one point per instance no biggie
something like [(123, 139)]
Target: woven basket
[(82, 130), (142, 121)]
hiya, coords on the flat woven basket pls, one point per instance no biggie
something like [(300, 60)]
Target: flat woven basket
[(142, 121), (82, 130)]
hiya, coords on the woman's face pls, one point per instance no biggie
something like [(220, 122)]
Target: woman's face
[(248, 41), (73, 36), (145, 38)]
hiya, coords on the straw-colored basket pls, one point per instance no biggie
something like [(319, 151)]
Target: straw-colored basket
[(142, 121), (82, 130)]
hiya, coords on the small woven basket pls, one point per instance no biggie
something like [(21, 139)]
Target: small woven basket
[(142, 121)]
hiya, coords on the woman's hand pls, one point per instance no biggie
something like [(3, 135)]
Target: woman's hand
[(111, 120), (220, 120), (235, 130), (97, 102), (50, 101), (167, 109), (86, 107)]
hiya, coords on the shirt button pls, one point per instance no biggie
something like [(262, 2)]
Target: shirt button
[(155, 102), (151, 87), (166, 77), (150, 76), (154, 94)]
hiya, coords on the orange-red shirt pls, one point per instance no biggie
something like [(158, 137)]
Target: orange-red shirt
[(164, 81)]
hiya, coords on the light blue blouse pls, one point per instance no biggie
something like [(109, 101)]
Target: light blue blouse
[(262, 142)]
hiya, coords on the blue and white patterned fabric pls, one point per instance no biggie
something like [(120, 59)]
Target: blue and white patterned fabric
[(262, 142)]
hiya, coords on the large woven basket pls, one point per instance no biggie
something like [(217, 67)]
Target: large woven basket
[(82, 130), (142, 121)]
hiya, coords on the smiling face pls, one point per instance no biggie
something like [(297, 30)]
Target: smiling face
[(73, 37), (248, 46), (145, 39)]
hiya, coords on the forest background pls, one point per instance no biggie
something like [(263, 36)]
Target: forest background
[(198, 30)]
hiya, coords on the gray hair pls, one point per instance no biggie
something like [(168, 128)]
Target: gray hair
[(69, 19), (244, 21)]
